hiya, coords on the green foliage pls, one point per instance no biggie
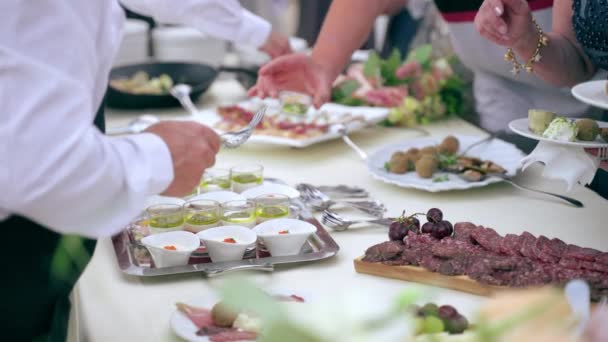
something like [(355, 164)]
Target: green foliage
[(422, 55), (451, 94), (343, 93)]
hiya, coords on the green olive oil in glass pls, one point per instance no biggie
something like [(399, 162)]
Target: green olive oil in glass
[(165, 218), (244, 177), (201, 214), (241, 213), (271, 206)]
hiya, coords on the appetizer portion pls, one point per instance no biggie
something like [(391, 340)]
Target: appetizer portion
[(482, 254), (292, 124), (223, 324), (551, 126), (429, 160), (141, 83)]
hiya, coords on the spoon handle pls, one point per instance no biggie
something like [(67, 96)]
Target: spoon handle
[(186, 102), (570, 200)]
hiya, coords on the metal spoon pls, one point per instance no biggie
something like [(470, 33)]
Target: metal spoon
[(182, 93), (338, 223), (137, 125), (507, 179)]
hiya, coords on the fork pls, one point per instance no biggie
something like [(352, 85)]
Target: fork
[(338, 223), (237, 138), (317, 200)]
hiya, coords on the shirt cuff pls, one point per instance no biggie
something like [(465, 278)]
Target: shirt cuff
[(254, 30), (158, 160)]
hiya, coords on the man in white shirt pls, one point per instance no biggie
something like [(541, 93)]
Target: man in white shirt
[(58, 173)]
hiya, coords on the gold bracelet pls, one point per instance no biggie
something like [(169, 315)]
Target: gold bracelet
[(543, 40)]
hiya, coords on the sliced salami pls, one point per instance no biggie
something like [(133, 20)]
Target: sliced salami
[(487, 238), (528, 241), (581, 253)]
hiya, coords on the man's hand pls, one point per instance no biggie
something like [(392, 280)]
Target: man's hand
[(296, 72), (508, 23), (193, 148), (276, 45)]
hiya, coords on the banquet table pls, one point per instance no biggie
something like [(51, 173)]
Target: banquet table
[(112, 306)]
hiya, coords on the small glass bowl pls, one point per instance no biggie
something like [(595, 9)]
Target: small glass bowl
[(201, 214), (164, 218), (239, 213), (243, 177), (271, 206), (294, 103), (215, 180)]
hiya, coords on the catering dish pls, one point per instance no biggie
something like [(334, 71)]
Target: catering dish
[(133, 257), (172, 248), (142, 83), (227, 243), (504, 156), (522, 127), (594, 93), (428, 160), (300, 130), (207, 319), (475, 254)]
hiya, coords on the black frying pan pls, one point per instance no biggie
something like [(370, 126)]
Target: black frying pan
[(198, 76)]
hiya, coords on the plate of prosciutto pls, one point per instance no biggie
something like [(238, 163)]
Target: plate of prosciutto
[(284, 125), (207, 319)]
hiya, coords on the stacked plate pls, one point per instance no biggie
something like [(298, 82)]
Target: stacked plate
[(184, 44), (134, 45)]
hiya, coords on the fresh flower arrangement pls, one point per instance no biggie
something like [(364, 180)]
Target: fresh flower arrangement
[(419, 89)]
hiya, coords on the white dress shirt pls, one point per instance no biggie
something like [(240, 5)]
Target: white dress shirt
[(56, 168)]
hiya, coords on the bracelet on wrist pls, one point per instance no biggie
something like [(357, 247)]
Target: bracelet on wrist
[(510, 57)]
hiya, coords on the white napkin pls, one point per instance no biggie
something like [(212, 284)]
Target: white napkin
[(569, 163)]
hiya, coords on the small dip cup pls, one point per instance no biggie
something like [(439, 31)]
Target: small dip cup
[(294, 103), (215, 180), (244, 177), (201, 214), (284, 236), (172, 248), (240, 212), (271, 206), (271, 188), (216, 241), (164, 218)]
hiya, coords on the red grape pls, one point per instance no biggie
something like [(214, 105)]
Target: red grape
[(397, 231), (434, 215), (440, 231), (447, 312), (413, 224), (448, 226), (427, 228)]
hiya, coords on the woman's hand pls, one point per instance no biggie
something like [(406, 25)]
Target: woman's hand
[(296, 72), (276, 45), (508, 23)]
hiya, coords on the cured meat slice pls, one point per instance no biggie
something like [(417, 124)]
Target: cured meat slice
[(581, 253), (527, 245), (431, 263), (541, 253), (595, 266), (411, 256), (199, 316), (452, 267), (488, 238), (554, 247), (233, 336), (571, 264), (510, 245), (462, 231), (384, 251), (212, 330), (450, 248), (602, 258)]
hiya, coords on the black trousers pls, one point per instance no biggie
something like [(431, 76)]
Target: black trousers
[(38, 273)]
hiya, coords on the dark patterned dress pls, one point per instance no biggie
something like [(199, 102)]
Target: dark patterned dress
[(590, 22)]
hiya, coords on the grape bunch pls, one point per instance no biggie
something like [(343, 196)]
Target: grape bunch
[(401, 226), (432, 319), (436, 225)]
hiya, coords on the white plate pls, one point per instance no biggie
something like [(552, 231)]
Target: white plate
[(592, 92), (183, 327), (371, 114), (271, 188), (498, 151), (520, 126)]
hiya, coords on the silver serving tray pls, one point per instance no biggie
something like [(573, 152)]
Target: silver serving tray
[(319, 246)]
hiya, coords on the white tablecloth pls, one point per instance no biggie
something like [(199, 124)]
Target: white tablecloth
[(112, 306)]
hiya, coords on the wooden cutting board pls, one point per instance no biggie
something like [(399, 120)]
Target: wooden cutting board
[(421, 275)]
